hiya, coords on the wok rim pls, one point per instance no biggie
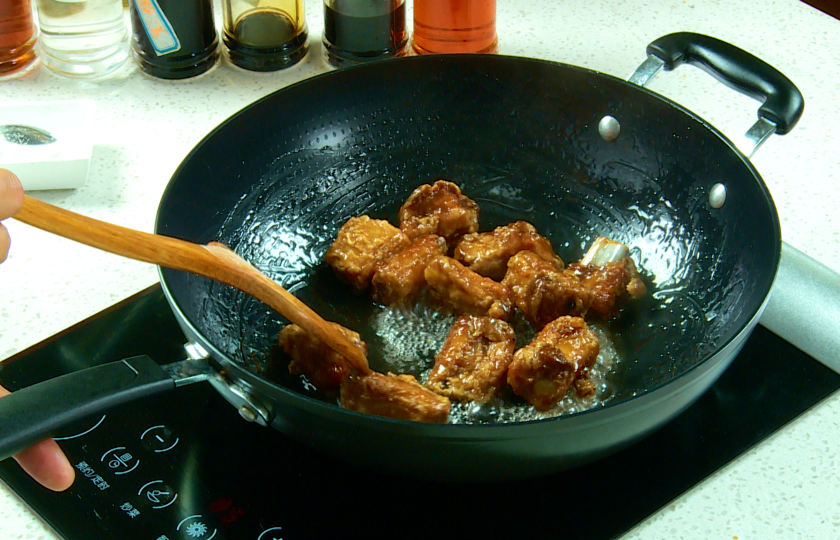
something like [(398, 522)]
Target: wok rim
[(324, 408)]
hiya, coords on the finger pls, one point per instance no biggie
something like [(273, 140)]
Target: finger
[(5, 242), (11, 194), (46, 463)]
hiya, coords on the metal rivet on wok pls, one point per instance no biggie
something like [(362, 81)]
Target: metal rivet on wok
[(248, 413), (609, 128), (717, 196)]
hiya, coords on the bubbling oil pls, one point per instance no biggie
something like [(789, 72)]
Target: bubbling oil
[(409, 338)]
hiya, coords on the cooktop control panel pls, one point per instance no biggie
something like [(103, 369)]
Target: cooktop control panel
[(142, 469)]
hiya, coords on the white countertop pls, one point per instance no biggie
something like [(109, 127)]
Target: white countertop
[(787, 487)]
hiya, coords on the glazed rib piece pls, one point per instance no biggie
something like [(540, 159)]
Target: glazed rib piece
[(322, 366), (543, 371), (393, 396), (611, 276), (473, 363), (401, 278), (488, 253), (361, 245), (541, 292), (611, 285), (465, 291), (600, 284), (439, 209)]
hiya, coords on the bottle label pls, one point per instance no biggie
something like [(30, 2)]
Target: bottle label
[(161, 34)]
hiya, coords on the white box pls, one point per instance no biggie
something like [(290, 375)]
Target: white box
[(62, 164)]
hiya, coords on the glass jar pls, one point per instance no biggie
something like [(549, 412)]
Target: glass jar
[(86, 38), (17, 36), (265, 35), (357, 31), (174, 39), (455, 26)]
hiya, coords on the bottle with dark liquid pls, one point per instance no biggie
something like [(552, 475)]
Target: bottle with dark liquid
[(265, 36), (174, 39), (357, 31), (455, 26), (17, 36)]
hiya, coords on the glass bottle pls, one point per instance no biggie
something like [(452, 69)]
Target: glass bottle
[(357, 31), (265, 35), (174, 39), (455, 26), (84, 38), (17, 36)]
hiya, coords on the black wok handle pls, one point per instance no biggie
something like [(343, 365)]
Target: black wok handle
[(782, 101), (34, 413)]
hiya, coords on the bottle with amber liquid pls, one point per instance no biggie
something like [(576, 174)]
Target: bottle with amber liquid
[(17, 36), (264, 36), (454, 26), (174, 39), (357, 31)]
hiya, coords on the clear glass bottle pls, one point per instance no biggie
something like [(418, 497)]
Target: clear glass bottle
[(357, 31), (17, 36), (82, 38), (265, 35), (454, 26), (174, 39)]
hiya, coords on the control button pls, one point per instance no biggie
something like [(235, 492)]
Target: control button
[(119, 460), (159, 439), (83, 431), (270, 534), (158, 493), (195, 527)]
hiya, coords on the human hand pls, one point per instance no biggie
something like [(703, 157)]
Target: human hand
[(11, 199), (45, 462)]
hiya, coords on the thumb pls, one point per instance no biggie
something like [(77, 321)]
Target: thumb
[(11, 194)]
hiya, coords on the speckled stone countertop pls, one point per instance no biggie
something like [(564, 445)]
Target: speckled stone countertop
[(787, 487)]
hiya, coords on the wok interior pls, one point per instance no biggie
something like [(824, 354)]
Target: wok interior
[(520, 137)]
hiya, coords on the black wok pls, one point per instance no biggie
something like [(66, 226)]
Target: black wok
[(522, 138)]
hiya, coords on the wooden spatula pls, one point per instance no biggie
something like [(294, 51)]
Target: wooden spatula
[(213, 260)]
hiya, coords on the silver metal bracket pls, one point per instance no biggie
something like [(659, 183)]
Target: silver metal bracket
[(236, 394), (246, 403), (195, 351), (647, 71), (755, 136), (194, 369), (189, 371), (197, 368)]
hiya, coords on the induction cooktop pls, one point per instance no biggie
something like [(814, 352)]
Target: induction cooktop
[(186, 466)]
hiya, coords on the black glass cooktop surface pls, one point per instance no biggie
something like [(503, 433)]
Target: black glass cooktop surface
[(186, 466)]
